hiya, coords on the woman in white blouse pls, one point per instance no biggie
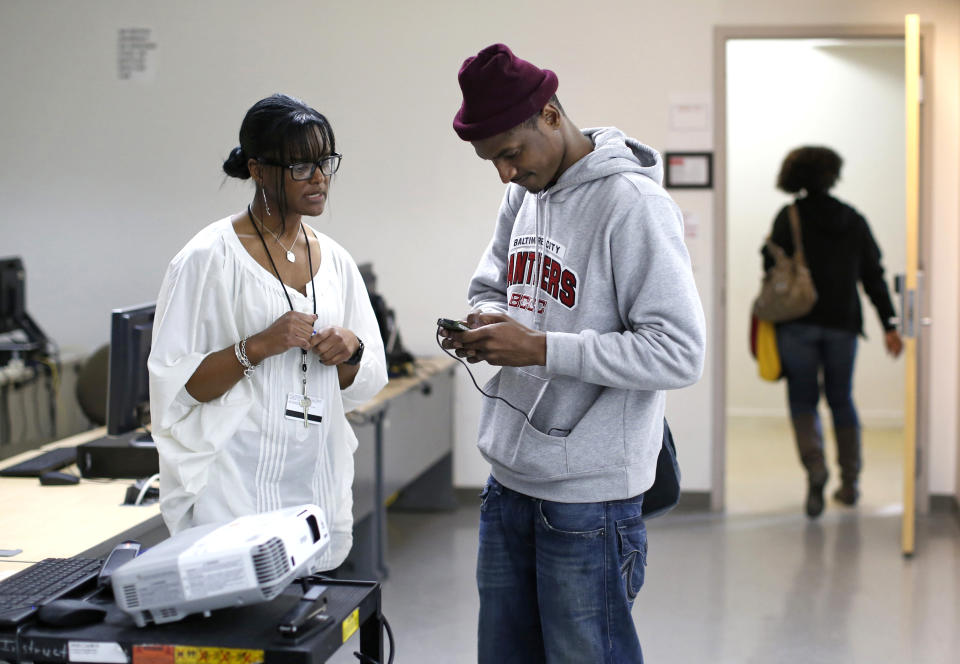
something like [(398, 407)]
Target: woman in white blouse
[(263, 338)]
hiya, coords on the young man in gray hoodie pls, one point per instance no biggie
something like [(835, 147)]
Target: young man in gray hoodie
[(586, 299)]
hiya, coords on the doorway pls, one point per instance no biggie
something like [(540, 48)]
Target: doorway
[(778, 89)]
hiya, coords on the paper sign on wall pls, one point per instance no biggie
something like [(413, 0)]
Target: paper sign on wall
[(136, 54)]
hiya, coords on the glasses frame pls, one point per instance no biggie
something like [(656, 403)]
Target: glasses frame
[(314, 165)]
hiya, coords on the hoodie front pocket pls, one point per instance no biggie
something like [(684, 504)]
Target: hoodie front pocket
[(597, 442), (539, 455), (506, 436)]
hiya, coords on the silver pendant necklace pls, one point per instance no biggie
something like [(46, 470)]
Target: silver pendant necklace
[(291, 257)]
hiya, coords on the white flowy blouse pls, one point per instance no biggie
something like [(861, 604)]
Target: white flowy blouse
[(238, 454)]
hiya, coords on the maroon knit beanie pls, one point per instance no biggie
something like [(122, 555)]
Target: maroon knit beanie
[(499, 92)]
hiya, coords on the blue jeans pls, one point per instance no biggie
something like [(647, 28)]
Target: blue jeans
[(557, 580), (806, 349)]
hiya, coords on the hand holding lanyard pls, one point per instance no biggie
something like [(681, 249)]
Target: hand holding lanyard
[(309, 409)]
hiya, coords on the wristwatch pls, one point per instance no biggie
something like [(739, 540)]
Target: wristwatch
[(355, 358)]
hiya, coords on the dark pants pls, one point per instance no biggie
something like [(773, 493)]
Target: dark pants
[(807, 352), (557, 580)]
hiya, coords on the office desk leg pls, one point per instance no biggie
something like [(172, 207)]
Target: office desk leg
[(379, 507)]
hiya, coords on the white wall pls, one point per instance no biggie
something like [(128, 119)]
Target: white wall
[(136, 164), (782, 94)]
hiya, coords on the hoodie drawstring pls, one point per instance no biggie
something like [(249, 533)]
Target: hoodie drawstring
[(538, 277)]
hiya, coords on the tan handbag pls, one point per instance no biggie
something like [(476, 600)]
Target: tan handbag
[(787, 291)]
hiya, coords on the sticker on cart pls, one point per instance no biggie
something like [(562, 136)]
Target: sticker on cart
[(153, 654), (96, 651), (157, 654), (351, 624), (201, 655)]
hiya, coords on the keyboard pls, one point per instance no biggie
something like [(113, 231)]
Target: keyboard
[(51, 578), (45, 461)]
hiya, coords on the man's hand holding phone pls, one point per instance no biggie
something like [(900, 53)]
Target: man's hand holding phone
[(452, 325), (496, 339)]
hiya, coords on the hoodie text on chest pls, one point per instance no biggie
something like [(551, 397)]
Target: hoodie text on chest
[(556, 281)]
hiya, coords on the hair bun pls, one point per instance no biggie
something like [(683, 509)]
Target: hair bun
[(236, 164)]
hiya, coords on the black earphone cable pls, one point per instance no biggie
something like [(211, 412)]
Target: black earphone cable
[(479, 389)]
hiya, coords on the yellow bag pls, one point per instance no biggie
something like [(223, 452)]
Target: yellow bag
[(768, 357)]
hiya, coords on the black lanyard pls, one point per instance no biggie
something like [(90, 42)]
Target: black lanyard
[(274, 265), (283, 286)]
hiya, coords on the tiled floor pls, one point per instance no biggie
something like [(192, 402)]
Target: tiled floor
[(764, 473), (758, 585)]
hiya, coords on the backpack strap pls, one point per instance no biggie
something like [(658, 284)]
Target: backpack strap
[(797, 237)]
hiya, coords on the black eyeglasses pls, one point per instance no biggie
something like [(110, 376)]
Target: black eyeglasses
[(305, 170)]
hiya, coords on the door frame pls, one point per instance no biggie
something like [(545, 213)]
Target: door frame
[(718, 338)]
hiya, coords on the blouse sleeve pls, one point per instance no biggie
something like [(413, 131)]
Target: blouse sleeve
[(195, 316), (359, 318)]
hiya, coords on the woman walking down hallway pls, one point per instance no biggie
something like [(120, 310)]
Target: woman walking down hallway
[(841, 253)]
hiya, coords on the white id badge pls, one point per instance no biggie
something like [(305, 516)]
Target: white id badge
[(304, 409)]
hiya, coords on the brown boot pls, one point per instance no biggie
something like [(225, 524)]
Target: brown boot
[(815, 484), (806, 429), (847, 494), (849, 460)]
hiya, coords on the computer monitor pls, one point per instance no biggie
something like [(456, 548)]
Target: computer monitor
[(128, 384), (369, 277), (11, 294)]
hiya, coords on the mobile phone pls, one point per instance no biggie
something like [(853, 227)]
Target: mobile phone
[(453, 325), (123, 552)]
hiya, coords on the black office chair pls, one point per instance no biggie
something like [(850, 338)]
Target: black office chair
[(92, 385)]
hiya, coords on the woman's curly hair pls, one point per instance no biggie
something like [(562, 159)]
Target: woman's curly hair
[(811, 168)]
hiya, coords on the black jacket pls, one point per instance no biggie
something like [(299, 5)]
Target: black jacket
[(840, 251)]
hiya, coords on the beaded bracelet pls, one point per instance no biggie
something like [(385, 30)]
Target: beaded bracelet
[(240, 350)]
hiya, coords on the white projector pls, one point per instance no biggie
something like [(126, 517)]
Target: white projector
[(248, 560)]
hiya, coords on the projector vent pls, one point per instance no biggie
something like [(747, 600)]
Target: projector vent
[(269, 592), (169, 613), (130, 597), (270, 562)]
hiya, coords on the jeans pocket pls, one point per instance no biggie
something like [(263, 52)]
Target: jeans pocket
[(584, 521), (632, 542)]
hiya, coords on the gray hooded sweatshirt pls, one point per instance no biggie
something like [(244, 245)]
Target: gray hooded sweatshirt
[(598, 262)]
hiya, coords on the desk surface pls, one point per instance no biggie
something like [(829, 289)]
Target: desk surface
[(424, 368), (62, 521)]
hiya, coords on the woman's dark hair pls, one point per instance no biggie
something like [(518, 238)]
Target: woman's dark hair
[(284, 130), (812, 168)]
